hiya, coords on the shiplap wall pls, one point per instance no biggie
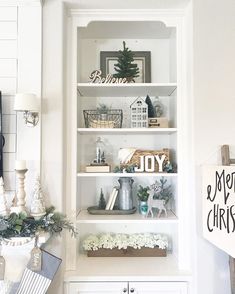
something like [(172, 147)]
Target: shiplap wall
[(20, 71), (8, 85)]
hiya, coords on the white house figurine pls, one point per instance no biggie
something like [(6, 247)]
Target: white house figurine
[(139, 114)]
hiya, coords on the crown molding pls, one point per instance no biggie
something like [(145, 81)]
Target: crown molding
[(82, 17), (10, 3)]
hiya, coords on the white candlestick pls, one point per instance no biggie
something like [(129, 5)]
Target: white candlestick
[(20, 165), (21, 195)]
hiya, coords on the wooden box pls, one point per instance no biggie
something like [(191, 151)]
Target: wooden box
[(135, 160), (158, 122), (129, 252)]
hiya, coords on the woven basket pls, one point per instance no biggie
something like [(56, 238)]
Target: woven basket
[(111, 119), (135, 160)]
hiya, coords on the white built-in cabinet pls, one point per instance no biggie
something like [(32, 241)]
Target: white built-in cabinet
[(163, 33), (128, 288)]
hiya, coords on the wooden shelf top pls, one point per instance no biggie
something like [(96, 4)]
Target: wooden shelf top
[(126, 90)]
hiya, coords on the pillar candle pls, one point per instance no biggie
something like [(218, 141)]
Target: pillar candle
[(20, 165)]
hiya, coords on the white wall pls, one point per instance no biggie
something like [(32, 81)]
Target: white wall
[(29, 81), (8, 84), (20, 71), (214, 104)]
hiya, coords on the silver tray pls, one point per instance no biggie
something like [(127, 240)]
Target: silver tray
[(96, 210)]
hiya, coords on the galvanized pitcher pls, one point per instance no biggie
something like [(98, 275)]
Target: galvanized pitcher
[(125, 199)]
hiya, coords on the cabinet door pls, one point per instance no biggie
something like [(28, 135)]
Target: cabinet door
[(157, 288), (99, 287)]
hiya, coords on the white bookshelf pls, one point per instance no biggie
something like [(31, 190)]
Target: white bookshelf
[(169, 83)]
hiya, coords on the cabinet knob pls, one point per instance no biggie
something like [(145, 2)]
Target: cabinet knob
[(124, 290), (132, 290)]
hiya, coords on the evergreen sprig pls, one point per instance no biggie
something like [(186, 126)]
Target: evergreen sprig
[(165, 191), (20, 225)]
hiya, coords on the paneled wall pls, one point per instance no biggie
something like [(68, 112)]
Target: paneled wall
[(20, 71), (8, 85)]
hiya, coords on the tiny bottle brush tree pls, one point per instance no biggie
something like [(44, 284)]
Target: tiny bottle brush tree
[(125, 67), (102, 202), (151, 112)]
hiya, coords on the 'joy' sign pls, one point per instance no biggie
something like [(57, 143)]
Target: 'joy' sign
[(148, 163), (219, 206)]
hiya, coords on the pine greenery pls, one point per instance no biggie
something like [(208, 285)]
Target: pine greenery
[(125, 67), (165, 192), (20, 225), (102, 202)]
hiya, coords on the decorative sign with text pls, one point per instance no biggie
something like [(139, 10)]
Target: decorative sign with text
[(219, 207), (148, 163), (96, 77)]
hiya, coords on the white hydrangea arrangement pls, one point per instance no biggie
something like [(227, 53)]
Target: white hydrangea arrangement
[(122, 241)]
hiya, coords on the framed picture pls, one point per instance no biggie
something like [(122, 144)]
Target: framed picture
[(142, 58)]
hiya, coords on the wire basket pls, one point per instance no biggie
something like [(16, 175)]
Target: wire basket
[(110, 119)]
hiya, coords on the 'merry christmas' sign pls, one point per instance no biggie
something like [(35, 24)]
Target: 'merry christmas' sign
[(219, 206)]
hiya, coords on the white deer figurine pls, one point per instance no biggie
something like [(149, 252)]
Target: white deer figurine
[(157, 203)]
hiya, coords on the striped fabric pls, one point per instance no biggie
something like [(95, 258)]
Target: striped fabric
[(33, 283), (38, 282)]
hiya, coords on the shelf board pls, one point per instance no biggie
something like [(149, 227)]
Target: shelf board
[(85, 218), (127, 131), (132, 175), (126, 90), (127, 269)]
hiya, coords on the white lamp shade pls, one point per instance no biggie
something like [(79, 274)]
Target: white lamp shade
[(26, 102)]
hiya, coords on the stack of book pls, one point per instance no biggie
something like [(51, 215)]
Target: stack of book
[(112, 199)]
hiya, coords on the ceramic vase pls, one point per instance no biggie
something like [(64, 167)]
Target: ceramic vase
[(143, 207)]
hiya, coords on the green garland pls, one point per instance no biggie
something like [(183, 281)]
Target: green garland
[(20, 225)]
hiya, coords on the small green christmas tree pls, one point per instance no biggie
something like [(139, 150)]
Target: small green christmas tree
[(102, 202), (151, 112), (125, 67)]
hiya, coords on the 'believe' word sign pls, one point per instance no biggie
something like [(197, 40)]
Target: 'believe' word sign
[(96, 77), (148, 163), (219, 206)]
